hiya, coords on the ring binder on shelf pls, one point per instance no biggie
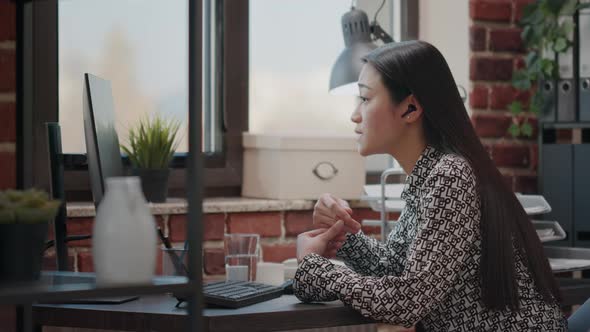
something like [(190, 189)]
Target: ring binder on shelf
[(566, 103), (584, 68), (548, 89)]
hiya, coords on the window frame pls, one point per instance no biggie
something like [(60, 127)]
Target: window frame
[(38, 103)]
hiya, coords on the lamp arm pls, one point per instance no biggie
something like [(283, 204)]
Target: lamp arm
[(379, 33)]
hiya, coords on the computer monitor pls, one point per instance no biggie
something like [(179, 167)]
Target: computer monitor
[(102, 143)]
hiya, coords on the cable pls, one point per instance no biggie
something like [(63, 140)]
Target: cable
[(378, 10)]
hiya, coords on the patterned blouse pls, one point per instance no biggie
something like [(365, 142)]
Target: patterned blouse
[(427, 271)]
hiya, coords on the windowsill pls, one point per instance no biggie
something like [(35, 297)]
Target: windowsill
[(214, 205)]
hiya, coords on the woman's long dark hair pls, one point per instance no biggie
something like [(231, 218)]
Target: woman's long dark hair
[(418, 68)]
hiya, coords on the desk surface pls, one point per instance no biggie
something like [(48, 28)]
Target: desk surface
[(64, 286), (157, 313)]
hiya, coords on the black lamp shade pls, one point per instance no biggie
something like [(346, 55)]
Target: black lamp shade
[(358, 43)]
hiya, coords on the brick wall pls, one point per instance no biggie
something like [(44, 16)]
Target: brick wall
[(7, 95), (496, 51), (278, 231)]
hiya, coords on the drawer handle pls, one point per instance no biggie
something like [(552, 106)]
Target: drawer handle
[(325, 170)]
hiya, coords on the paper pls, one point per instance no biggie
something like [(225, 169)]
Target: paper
[(535, 210), (545, 232), (569, 264)]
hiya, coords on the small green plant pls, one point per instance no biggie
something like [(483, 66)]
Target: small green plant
[(26, 207), (545, 35), (152, 142)]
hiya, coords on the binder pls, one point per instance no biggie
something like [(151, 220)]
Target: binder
[(584, 68), (549, 92), (566, 96), (548, 89)]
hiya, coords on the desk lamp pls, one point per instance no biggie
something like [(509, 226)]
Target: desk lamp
[(359, 36)]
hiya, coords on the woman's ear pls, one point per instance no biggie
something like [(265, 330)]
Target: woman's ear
[(414, 110)]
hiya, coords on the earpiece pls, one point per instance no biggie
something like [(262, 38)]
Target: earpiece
[(411, 108)]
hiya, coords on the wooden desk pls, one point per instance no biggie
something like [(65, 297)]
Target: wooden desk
[(157, 313)]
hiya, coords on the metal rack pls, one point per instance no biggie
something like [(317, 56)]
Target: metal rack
[(389, 200), (385, 203)]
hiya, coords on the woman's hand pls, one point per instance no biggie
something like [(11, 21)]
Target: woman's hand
[(317, 241), (329, 209)]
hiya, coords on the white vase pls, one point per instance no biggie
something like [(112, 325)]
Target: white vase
[(124, 239)]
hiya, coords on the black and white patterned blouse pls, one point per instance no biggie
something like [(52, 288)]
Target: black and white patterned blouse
[(427, 271)]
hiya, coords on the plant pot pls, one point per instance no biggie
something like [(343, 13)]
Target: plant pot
[(154, 183), (21, 251)]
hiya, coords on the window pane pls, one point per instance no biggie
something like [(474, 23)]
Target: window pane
[(293, 45), (141, 46)]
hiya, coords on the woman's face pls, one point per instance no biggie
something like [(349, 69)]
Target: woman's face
[(378, 119)]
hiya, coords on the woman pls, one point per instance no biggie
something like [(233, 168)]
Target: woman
[(463, 254)]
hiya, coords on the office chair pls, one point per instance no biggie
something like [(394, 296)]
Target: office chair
[(56, 167)]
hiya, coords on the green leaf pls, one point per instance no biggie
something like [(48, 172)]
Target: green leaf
[(528, 12), (526, 129), (551, 6), (534, 109), (567, 28), (514, 130), (527, 34), (548, 68), (560, 45), (515, 107), (568, 8), (531, 58), (520, 80)]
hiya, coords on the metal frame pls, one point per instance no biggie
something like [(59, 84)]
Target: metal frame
[(195, 166)]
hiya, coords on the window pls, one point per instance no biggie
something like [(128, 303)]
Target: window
[(141, 46), (288, 51), (293, 46)]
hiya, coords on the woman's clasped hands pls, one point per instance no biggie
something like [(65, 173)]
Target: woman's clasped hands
[(332, 220)]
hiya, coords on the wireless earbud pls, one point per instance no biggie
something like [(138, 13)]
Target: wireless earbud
[(411, 108)]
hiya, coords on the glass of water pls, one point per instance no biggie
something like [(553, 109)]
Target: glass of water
[(241, 256)]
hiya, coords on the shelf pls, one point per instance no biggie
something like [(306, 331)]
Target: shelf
[(565, 125), (534, 204), (549, 230), (67, 286), (568, 259)]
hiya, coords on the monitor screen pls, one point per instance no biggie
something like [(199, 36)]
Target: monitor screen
[(102, 142)]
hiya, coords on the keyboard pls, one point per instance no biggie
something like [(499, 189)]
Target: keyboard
[(237, 294)]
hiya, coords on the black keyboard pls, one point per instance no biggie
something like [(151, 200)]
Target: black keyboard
[(237, 294)]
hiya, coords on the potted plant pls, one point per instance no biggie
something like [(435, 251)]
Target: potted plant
[(151, 146), (545, 36), (24, 217)]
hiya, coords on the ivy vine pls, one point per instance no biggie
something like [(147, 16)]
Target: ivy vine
[(545, 36)]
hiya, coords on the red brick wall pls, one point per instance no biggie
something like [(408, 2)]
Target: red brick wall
[(496, 51), (278, 230), (7, 95)]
